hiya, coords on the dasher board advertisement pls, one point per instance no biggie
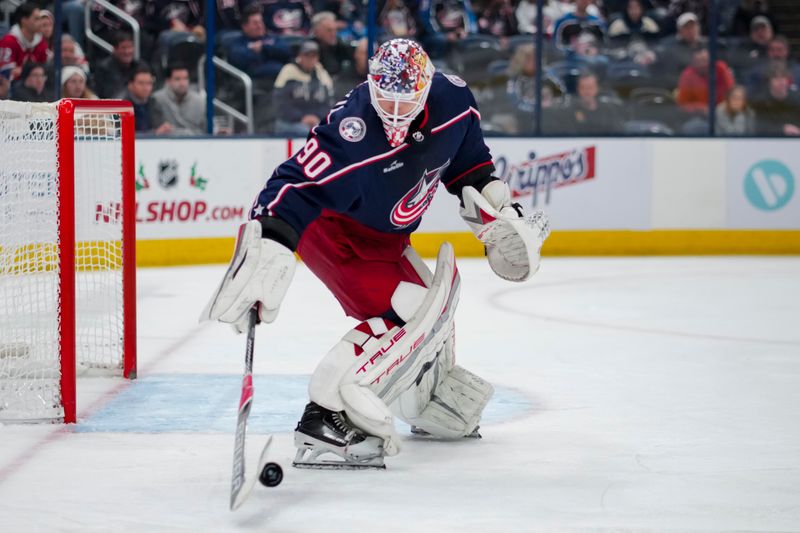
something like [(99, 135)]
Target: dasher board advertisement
[(581, 183), (762, 183), (200, 188)]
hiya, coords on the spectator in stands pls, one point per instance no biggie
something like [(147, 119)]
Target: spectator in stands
[(355, 73), (755, 49), (777, 55), (675, 52), (303, 92), (572, 25), (734, 116), (261, 56), (445, 23), (746, 12), (633, 26), (521, 93), (47, 23), (286, 17), (177, 109), (498, 19), (778, 110), (31, 85), (350, 17), (111, 74), (397, 20), (24, 42), (333, 53), (73, 84), (139, 92), (553, 11), (586, 53), (588, 115), (72, 54), (693, 84)]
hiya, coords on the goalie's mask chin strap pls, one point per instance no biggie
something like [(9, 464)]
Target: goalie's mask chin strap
[(396, 125)]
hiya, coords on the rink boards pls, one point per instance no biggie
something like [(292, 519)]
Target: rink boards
[(603, 196)]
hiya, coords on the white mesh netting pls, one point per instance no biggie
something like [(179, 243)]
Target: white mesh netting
[(30, 356)]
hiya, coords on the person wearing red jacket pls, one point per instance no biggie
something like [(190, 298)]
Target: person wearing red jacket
[(693, 85), (24, 42)]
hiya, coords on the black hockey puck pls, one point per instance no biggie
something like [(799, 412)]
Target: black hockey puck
[(271, 475)]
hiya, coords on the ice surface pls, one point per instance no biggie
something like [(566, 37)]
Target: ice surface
[(633, 394)]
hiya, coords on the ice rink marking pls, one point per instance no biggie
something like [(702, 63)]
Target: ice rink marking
[(206, 403), (497, 300)]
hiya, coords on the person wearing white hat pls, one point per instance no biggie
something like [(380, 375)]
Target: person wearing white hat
[(73, 83), (675, 52)]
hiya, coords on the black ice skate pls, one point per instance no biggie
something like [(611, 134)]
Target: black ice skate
[(322, 431)]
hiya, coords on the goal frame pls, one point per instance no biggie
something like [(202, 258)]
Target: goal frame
[(67, 109)]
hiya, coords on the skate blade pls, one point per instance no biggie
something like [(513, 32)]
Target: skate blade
[(338, 465), (309, 458)]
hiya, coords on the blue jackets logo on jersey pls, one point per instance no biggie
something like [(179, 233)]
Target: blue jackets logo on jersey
[(411, 206)]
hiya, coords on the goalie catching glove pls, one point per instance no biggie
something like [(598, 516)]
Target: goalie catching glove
[(513, 241), (260, 273)]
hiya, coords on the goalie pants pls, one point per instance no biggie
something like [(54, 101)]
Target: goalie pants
[(359, 265)]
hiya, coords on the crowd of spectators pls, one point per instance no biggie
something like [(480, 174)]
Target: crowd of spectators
[(610, 66)]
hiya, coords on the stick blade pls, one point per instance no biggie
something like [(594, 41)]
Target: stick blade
[(240, 493)]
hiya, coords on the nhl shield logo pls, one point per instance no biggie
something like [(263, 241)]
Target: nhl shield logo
[(168, 173), (352, 129)]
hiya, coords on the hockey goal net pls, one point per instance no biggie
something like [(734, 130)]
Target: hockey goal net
[(67, 260)]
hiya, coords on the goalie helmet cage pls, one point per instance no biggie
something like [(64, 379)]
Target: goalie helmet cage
[(67, 252)]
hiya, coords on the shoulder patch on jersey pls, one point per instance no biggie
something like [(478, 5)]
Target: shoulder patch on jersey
[(455, 80), (352, 129)]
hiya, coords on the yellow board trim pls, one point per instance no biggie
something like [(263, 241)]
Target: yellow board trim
[(43, 257), (561, 243)]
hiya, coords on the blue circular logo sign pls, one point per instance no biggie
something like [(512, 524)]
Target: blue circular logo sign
[(769, 185)]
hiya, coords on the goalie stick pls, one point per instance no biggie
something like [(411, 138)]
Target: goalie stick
[(240, 485)]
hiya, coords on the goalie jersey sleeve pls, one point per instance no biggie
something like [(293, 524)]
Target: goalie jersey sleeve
[(348, 167)]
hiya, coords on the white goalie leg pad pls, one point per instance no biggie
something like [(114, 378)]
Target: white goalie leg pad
[(513, 242), (393, 365), (373, 364), (447, 401), (455, 409), (332, 386), (260, 272), (413, 401)]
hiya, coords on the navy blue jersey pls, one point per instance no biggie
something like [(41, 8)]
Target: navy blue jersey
[(347, 165)]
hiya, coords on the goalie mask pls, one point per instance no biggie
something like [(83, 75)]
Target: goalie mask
[(400, 77)]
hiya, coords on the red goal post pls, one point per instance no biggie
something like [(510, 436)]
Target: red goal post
[(67, 252)]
